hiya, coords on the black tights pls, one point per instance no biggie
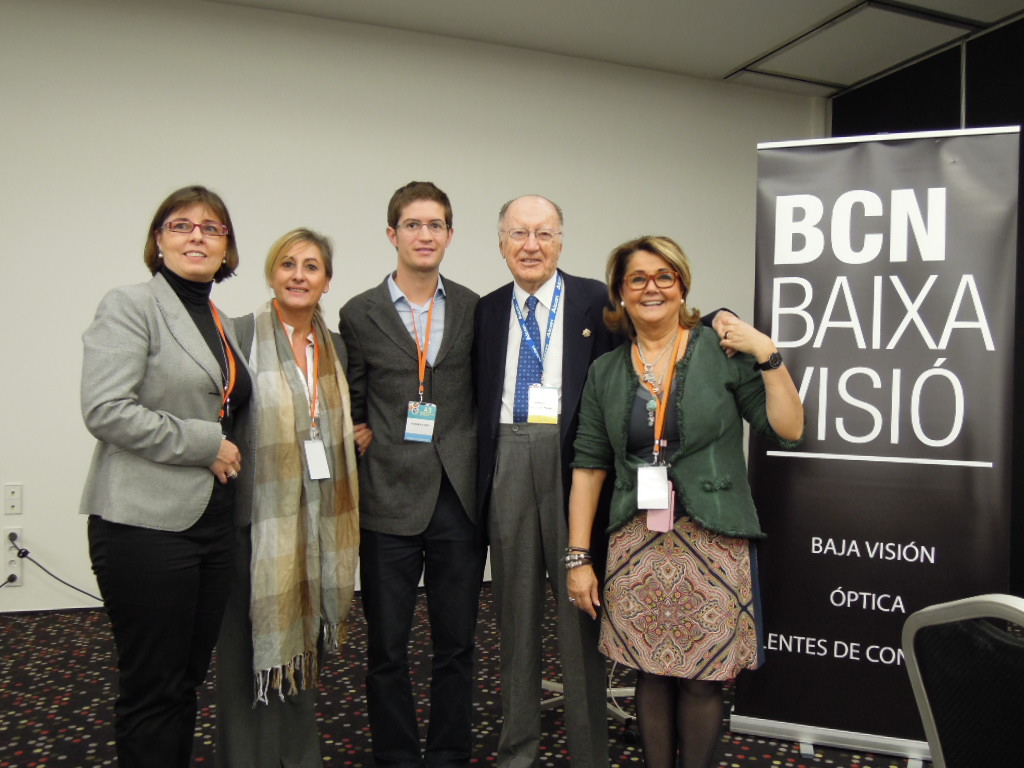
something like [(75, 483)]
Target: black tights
[(678, 718)]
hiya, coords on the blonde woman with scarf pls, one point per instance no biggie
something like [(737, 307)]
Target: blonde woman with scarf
[(297, 520)]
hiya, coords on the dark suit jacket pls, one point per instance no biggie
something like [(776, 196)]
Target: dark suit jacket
[(399, 480), (582, 310)]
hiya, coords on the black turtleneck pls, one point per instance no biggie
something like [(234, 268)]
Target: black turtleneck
[(195, 297)]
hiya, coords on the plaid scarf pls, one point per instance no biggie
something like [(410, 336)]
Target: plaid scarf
[(305, 533)]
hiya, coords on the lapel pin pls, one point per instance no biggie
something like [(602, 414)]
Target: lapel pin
[(586, 333)]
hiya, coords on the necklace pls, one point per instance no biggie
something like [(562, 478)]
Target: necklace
[(652, 380), (648, 376), (652, 411), (657, 407)]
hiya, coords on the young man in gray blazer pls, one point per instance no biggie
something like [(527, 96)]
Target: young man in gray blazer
[(409, 343)]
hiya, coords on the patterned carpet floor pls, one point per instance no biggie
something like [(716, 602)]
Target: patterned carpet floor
[(57, 683)]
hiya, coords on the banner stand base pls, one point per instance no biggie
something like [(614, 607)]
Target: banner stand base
[(829, 737)]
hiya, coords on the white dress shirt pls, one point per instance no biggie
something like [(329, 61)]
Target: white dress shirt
[(552, 355)]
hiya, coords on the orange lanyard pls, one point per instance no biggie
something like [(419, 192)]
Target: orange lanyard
[(314, 398), (225, 390), (423, 349), (661, 398)]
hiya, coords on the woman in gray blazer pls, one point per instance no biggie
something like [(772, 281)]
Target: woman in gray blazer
[(163, 391)]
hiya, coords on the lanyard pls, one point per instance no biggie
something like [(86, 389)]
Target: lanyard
[(423, 349), (314, 397), (661, 398), (556, 299), (226, 387)]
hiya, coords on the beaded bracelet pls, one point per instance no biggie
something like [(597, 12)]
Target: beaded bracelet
[(576, 559)]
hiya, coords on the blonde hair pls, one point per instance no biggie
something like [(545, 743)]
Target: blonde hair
[(615, 316), (284, 244)]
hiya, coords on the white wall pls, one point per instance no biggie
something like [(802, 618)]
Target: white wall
[(106, 106)]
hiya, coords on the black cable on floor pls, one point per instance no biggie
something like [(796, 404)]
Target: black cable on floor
[(26, 555)]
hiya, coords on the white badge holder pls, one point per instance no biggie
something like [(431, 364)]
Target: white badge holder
[(542, 404), (652, 487), (419, 423), (316, 460)]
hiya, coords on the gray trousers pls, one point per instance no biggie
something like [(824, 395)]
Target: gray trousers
[(528, 536), (281, 734)]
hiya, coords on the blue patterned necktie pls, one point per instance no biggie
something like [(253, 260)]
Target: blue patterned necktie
[(530, 370)]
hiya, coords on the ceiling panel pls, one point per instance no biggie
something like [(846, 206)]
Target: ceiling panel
[(779, 83), (696, 37), (836, 41), (858, 45), (985, 11)]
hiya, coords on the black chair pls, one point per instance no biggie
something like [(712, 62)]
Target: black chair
[(966, 665)]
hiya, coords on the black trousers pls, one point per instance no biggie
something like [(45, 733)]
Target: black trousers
[(449, 555), (165, 593)]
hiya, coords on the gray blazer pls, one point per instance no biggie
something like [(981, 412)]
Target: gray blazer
[(151, 398), (399, 480)]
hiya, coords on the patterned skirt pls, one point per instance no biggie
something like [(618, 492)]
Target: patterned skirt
[(680, 603)]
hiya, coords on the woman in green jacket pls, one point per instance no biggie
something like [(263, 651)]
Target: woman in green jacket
[(665, 415)]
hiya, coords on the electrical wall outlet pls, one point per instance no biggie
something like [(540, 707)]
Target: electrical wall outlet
[(12, 498), (12, 563)]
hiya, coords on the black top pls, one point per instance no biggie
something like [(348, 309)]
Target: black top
[(195, 297), (640, 437)]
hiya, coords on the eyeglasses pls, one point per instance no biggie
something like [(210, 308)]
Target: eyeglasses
[(413, 227), (637, 281), (543, 236), (187, 226)]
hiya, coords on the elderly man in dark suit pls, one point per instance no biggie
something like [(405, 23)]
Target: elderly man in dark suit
[(543, 329), (409, 343)]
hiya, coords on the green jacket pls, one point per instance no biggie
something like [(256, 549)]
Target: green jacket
[(708, 471)]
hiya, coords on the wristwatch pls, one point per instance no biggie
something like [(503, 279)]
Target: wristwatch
[(774, 361)]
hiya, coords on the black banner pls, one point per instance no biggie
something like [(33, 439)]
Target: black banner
[(886, 273)]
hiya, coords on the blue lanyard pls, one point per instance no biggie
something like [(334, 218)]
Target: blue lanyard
[(556, 299)]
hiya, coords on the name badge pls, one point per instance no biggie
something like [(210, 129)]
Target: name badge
[(662, 520), (542, 404), (419, 423), (652, 487), (316, 460)]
